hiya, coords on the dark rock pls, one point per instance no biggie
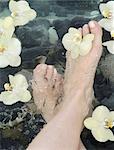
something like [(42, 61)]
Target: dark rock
[(35, 33), (32, 126), (29, 56), (12, 115), (8, 144), (3, 5), (42, 7), (109, 102), (102, 87), (61, 27), (56, 57)]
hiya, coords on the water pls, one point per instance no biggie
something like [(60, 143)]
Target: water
[(39, 47)]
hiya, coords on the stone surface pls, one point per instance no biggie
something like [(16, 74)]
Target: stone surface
[(102, 87), (20, 136), (37, 49), (107, 68), (34, 33), (109, 102), (12, 115)]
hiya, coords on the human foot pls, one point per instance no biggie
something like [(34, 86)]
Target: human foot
[(80, 72), (47, 90)]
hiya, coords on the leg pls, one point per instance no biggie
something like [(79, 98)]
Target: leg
[(63, 131), (47, 90)]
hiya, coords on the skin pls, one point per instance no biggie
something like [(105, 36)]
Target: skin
[(63, 131), (47, 90)]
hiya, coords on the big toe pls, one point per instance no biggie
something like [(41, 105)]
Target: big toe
[(97, 42), (39, 72)]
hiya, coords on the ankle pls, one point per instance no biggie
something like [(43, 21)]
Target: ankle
[(81, 100)]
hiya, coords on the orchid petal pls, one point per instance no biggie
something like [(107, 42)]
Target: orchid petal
[(14, 47), (21, 12), (102, 7), (110, 5), (88, 37), (3, 61), (8, 98), (25, 96), (75, 31), (25, 18), (14, 60), (102, 134), (75, 52), (110, 46), (107, 24), (66, 41), (85, 48), (18, 6), (91, 123), (18, 81), (6, 28), (111, 115), (100, 113)]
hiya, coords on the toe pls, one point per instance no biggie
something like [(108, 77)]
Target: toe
[(49, 73), (80, 29), (55, 78), (97, 31), (39, 72), (85, 29), (55, 75), (97, 43)]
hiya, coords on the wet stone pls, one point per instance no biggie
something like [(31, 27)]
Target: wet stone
[(12, 115), (35, 33)]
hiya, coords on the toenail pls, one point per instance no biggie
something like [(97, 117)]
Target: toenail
[(80, 28), (92, 24), (55, 71), (85, 26), (50, 67)]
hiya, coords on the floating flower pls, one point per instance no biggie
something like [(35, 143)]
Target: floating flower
[(110, 46), (6, 28), (16, 90), (9, 52), (100, 123), (21, 12), (107, 10), (74, 42)]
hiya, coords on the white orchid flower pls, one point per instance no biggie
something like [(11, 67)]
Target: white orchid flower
[(21, 12), (110, 46), (107, 10), (16, 90), (6, 28), (74, 42), (9, 52), (100, 123)]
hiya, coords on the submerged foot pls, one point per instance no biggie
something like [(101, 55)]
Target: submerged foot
[(80, 72), (47, 90)]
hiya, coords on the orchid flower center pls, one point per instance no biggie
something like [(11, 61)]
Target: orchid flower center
[(109, 124), (14, 14), (1, 31), (112, 34), (77, 39), (106, 13), (2, 48), (8, 87)]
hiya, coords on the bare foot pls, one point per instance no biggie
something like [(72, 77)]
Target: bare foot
[(47, 90), (80, 72)]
